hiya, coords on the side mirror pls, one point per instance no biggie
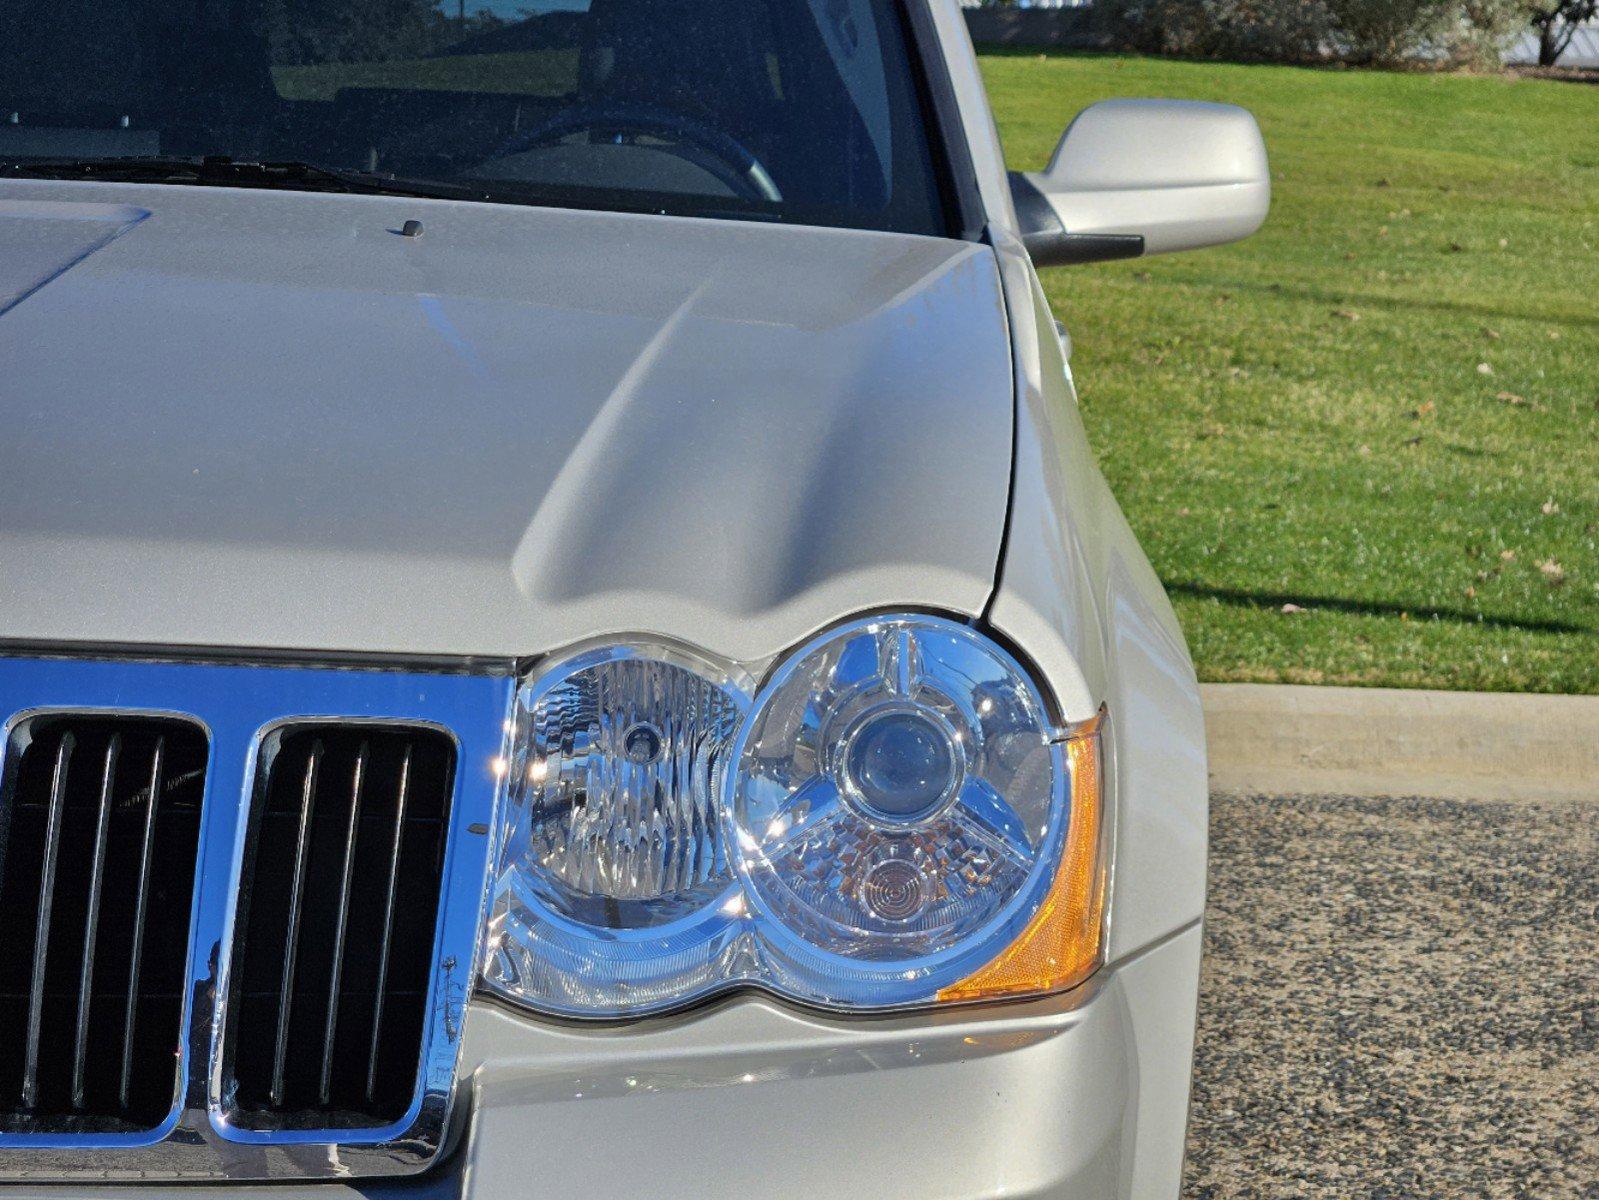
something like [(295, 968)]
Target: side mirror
[(1134, 177)]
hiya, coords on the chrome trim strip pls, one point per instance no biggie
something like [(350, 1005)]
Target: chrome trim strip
[(41, 934), (255, 656), (291, 940), (388, 927), (91, 920), (330, 1025), (140, 912), (238, 705)]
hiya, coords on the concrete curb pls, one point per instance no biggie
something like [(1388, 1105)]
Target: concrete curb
[(1388, 742)]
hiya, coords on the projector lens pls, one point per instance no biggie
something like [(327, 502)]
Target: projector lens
[(901, 766)]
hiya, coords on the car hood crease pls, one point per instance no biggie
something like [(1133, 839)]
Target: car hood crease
[(266, 420)]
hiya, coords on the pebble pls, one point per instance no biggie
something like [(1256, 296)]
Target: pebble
[(1400, 998)]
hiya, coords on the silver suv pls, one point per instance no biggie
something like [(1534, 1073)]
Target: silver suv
[(559, 633)]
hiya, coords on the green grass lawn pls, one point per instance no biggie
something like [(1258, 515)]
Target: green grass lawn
[(1384, 408)]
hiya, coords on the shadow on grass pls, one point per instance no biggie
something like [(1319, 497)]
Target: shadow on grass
[(1370, 608)]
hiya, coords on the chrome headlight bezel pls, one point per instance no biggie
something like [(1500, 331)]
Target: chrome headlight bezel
[(936, 858)]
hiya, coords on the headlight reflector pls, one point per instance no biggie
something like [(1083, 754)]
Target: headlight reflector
[(897, 805), (612, 853), (891, 816)]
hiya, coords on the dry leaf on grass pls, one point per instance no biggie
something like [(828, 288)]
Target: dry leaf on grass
[(1554, 574)]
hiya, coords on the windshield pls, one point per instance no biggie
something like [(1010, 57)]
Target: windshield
[(792, 110)]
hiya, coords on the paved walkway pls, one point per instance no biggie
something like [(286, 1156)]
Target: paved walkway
[(1313, 741), (1400, 1000)]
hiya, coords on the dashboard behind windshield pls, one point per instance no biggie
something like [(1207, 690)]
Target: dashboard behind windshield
[(793, 110)]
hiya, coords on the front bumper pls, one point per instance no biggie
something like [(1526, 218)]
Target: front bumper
[(1078, 1097)]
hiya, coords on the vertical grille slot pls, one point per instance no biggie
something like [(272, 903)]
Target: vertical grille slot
[(99, 829), (334, 951)]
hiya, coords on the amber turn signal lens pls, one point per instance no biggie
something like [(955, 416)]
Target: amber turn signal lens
[(1060, 947)]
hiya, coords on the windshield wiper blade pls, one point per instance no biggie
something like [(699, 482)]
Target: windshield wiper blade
[(222, 171)]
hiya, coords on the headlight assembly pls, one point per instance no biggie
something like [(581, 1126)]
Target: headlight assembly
[(892, 822)]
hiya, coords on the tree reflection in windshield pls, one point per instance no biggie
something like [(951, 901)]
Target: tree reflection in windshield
[(796, 110)]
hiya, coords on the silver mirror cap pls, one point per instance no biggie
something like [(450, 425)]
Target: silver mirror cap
[(1179, 174)]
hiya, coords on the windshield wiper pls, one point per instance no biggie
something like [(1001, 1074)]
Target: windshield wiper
[(292, 175), (223, 171)]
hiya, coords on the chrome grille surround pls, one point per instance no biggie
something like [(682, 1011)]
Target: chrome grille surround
[(238, 705)]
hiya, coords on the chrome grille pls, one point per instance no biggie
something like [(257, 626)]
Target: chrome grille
[(332, 954), (197, 1108), (99, 824)]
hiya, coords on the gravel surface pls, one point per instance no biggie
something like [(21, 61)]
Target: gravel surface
[(1400, 999)]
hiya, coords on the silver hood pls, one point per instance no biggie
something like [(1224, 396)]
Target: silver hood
[(266, 420)]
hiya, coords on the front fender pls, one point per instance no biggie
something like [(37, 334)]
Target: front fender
[(1078, 595)]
